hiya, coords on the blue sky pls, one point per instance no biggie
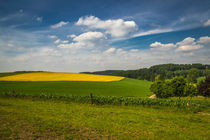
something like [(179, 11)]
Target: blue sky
[(81, 35)]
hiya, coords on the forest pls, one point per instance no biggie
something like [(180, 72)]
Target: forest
[(165, 71)]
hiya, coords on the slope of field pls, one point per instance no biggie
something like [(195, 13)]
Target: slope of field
[(125, 87), (55, 76), (53, 119)]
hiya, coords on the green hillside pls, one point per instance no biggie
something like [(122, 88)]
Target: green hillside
[(125, 87)]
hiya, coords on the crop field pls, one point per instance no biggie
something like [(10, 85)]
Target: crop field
[(124, 87), (57, 76)]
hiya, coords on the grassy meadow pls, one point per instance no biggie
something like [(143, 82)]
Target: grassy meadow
[(54, 119)]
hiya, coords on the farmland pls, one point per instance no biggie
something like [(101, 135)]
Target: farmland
[(120, 110), (124, 87), (57, 76)]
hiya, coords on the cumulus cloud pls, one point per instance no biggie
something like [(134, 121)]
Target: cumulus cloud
[(58, 25), (114, 27), (188, 44), (187, 41), (86, 52), (189, 47), (87, 40), (207, 23), (89, 37), (162, 46), (204, 40)]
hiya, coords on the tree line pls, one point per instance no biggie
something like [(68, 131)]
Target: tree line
[(180, 87), (165, 71)]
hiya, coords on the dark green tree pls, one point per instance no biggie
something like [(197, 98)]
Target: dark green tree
[(190, 90), (193, 75), (178, 84), (204, 87), (161, 88)]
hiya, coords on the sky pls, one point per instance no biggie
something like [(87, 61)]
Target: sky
[(95, 35)]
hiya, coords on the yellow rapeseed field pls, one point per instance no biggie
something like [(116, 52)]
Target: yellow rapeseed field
[(56, 76)]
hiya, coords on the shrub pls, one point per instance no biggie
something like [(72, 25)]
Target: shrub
[(162, 89), (204, 87), (178, 84), (190, 90)]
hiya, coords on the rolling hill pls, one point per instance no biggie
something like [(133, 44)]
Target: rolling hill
[(65, 84)]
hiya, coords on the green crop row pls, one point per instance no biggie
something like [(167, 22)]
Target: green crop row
[(113, 100)]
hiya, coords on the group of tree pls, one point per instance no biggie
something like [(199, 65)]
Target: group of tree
[(180, 87), (166, 71)]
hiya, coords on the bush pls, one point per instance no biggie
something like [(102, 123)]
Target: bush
[(162, 89), (204, 87), (178, 84), (169, 88), (190, 90)]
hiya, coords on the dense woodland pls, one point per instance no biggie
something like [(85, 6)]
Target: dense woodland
[(166, 71)]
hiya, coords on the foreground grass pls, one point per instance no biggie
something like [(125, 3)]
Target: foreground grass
[(53, 119), (125, 87)]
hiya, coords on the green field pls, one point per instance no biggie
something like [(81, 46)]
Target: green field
[(125, 87), (120, 110), (53, 119)]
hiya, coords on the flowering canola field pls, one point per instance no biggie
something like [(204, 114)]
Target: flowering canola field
[(56, 76)]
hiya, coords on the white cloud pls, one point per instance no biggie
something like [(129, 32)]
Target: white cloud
[(207, 23), (134, 50), (114, 27), (61, 41), (110, 50), (52, 36), (204, 40), (47, 52), (87, 40), (71, 36), (39, 19), (60, 24), (158, 44), (65, 41), (188, 54), (10, 45), (187, 41), (86, 52), (189, 47), (89, 37), (150, 32), (57, 41), (188, 44)]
